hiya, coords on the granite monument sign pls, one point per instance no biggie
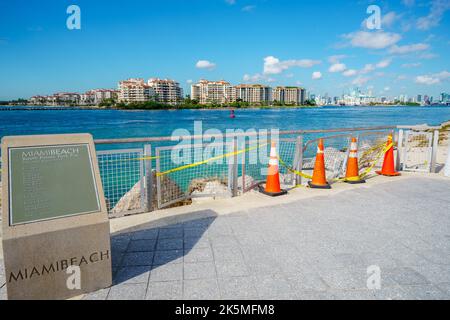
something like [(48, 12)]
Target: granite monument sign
[(56, 239)]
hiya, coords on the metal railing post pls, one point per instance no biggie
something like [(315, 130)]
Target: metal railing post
[(434, 151), (148, 177), (243, 171), (235, 168), (298, 159), (399, 150), (158, 179)]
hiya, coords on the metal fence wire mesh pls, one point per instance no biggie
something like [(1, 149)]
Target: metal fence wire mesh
[(417, 151), (370, 149), (253, 165), (122, 175), (194, 171), (335, 153), (213, 170)]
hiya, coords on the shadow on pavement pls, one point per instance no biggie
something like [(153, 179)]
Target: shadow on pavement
[(138, 250)]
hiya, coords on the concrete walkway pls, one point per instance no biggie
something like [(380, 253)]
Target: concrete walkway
[(317, 246)]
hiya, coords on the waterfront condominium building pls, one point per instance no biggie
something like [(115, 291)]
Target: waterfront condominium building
[(135, 90), (166, 90), (96, 96), (289, 95), (206, 92), (254, 93), (64, 98)]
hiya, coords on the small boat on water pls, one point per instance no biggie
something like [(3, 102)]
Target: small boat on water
[(232, 115)]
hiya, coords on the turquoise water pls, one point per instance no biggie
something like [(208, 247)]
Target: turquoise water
[(122, 175), (119, 124)]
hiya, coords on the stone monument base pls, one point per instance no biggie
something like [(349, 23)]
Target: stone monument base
[(36, 265)]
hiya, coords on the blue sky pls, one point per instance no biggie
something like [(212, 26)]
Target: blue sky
[(324, 46)]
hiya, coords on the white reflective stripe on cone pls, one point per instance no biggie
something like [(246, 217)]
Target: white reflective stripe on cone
[(319, 151), (353, 146), (352, 154), (273, 162), (273, 152)]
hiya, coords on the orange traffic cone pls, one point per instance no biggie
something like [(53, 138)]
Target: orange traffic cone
[(272, 187), (319, 179), (352, 173), (388, 168)]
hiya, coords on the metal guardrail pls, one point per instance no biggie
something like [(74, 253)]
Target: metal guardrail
[(166, 188), (239, 134), (133, 182)]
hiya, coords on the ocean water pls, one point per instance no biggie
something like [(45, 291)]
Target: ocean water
[(110, 124), (129, 124)]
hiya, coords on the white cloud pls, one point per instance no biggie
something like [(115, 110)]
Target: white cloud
[(428, 55), (273, 65), (388, 19), (253, 78), (248, 8), (359, 81), (367, 68), (411, 65), (383, 63), (387, 88), (257, 78), (409, 48), (189, 81), (316, 75), (406, 26), (337, 67), (205, 64), (372, 40), (428, 80), (350, 73), (431, 79), (430, 37), (408, 3), (434, 17), (336, 58), (230, 2), (401, 77)]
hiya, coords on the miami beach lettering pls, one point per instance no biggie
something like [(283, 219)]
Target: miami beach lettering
[(58, 152), (57, 266)]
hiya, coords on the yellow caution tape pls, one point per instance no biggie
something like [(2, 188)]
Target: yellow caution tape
[(379, 156), (188, 166), (362, 175), (299, 173)]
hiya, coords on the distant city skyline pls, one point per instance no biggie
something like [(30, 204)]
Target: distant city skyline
[(326, 47), (204, 92)]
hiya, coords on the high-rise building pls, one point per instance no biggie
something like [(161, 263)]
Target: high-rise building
[(166, 90), (419, 98), (96, 96), (289, 95), (64, 98), (254, 93), (207, 92), (135, 90)]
